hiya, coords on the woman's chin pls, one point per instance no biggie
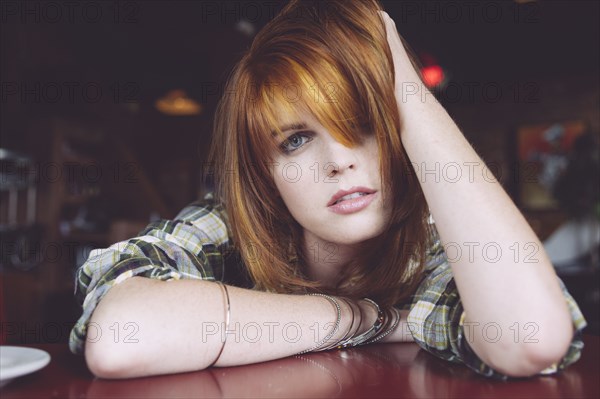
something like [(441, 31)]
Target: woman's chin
[(354, 235)]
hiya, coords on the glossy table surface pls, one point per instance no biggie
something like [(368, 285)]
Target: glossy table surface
[(380, 370)]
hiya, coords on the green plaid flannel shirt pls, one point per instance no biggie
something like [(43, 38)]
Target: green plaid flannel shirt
[(195, 245)]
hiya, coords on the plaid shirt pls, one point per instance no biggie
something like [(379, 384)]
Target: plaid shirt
[(195, 245)]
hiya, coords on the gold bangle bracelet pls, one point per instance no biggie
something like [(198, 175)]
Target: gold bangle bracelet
[(227, 316)]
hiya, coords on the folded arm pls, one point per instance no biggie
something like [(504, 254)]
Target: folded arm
[(146, 327), (498, 263)]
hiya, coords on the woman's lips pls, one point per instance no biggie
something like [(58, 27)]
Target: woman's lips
[(352, 190), (352, 205)]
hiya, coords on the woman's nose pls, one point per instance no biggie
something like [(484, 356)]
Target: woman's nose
[(341, 158)]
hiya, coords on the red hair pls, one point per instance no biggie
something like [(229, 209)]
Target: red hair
[(330, 59)]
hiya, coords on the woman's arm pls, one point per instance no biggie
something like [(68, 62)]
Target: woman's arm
[(147, 327), (498, 281), (178, 326)]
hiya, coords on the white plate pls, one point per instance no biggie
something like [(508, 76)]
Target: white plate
[(16, 361)]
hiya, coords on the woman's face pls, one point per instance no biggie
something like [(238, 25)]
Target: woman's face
[(311, 169)]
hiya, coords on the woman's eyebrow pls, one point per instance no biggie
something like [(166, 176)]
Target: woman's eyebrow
[(293, 126)]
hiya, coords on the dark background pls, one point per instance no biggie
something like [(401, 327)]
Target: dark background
[(542, 55), (146, 48)]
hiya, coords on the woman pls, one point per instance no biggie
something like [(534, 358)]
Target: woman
[(328, 152)]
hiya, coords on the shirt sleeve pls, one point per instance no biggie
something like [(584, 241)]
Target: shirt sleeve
[(190, 246), (437, 316)]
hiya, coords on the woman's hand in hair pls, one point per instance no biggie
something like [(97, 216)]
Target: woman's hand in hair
[(406, 76)]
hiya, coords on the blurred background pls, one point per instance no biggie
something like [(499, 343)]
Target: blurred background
[(107, 109)]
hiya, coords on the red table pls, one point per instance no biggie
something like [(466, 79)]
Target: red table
[(382, 370)]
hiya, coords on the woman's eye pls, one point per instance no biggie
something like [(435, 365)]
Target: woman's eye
[(295, 141)]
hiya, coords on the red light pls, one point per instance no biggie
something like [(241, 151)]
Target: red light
[(433, 75)]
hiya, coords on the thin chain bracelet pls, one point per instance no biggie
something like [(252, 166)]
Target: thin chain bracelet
[(392, 328), (335, 344), (388, 320), (335, 328), (370, 333), (340, 343)]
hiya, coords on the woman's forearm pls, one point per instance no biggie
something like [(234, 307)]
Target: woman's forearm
[(151, 327), (504, 277), (501, 270)]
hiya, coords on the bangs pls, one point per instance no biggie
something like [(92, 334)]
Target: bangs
[(293, 89)]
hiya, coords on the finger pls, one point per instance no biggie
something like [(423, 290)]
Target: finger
[(387, 17)]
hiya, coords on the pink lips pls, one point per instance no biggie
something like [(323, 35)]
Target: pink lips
[(351, 205)]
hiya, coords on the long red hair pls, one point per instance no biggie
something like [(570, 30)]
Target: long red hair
[(329, 58)]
